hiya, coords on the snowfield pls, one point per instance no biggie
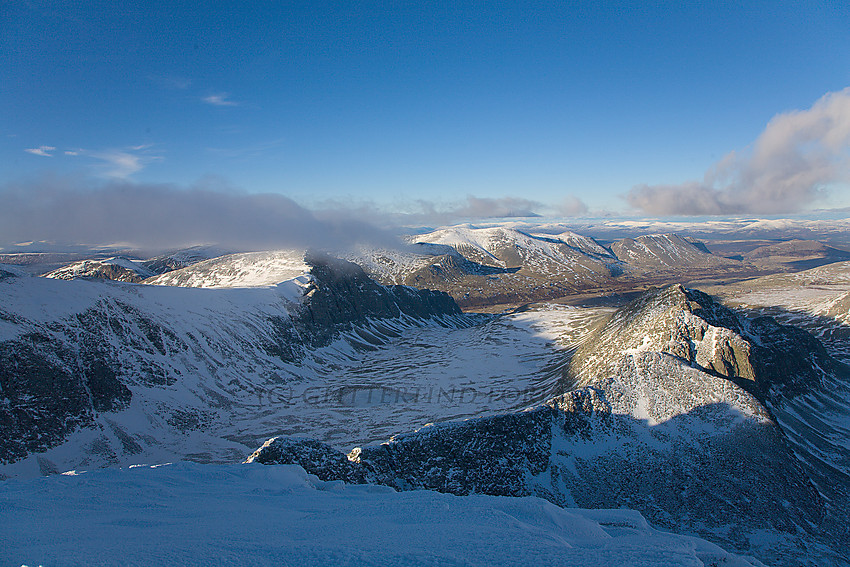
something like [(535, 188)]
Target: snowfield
[(187, 513), (249, 269)]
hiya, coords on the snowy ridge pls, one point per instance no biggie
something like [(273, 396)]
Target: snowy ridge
[(669, 251), (249, 269), (582, 243), (117, 268), (253, 515), (177, 259), (506, 248), (391, 266)]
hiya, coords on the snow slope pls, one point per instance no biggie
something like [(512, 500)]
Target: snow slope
[(665, 251), (254, 515), (248, 269)]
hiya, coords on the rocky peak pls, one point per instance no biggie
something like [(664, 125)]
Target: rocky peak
[(764, 357)]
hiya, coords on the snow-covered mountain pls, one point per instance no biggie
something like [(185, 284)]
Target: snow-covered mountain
[(248, 269), (503, 265), (810, 299), (666, 251), (508, 248), (100, 373), (118, 268), (177, 259), (682, 410)]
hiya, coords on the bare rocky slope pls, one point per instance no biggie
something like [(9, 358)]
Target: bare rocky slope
[(673, 414)]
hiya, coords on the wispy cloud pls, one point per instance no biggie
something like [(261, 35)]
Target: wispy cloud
[(219, 99), (118, 163), (41, 151), (790, 165)]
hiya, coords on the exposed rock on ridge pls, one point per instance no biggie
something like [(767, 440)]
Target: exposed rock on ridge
[(765, 358)]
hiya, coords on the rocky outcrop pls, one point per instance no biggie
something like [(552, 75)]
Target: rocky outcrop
[(762, 356), (342, 296), (47, 393)]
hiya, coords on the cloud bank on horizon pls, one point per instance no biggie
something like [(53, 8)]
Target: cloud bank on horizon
[(149, 216), (162, 216), (788, 168)]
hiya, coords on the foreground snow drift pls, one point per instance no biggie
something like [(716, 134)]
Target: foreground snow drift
[(252, 514)]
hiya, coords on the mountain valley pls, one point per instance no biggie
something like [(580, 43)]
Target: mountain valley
[(490, 361)]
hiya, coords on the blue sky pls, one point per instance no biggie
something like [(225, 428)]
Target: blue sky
[(398, 102)]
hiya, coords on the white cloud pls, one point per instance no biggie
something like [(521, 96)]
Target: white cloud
[(571, 206), (220, 99), (41, 151), (119, 163), (790, 165)]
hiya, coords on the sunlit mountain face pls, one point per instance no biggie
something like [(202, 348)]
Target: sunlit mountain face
[(409, 284)]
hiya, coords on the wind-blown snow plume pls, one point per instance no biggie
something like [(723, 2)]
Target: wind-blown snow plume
[(790, 165), (155, 216)]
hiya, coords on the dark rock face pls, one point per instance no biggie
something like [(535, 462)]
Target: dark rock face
[(462, 458), (317, 458), (344, 296), (44, 401)]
